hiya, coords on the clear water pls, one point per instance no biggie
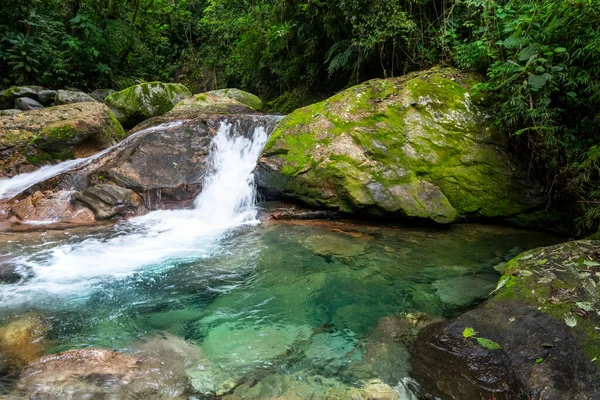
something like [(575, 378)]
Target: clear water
[(276, 307)]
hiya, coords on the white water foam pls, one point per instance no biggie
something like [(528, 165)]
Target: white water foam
[(150, 241), (11, 187)]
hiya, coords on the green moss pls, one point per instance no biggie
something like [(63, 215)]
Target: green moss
[(553, 280), (140, 102), (43, 157)]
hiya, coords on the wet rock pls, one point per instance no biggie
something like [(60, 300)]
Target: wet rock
[(280, 211), (11, 111), (8, 272), (50, 206), (99, 373), (377, 390), (71, 96), (37, 137), (109, 200), (22, 341), (544, 316), (26, 104), (416, 146), (141, 102)]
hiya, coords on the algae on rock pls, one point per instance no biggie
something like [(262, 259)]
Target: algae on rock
[(243, 97), (140, 102), (416, 146)]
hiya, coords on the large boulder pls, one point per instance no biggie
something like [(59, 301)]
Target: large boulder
[(537, 337), (99, 373), (416, 146), (36, 137), (204, 104), (246, 98), (8, 96), (158, 168), (140, 102)]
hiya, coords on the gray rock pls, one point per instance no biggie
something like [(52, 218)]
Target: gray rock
[(71, 96), (10, 111), (101, 94), (8, 96), (27, 104), (8, 273), (46, 97), (109, 200)]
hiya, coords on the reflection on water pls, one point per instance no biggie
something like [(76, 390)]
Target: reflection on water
[(278, 308)]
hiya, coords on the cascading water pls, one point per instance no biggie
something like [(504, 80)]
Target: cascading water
[(13, 186), (227, 201)]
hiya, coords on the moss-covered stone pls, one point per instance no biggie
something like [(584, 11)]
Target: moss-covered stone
[(204, 104), (415, 146), (55, 133), (246, 98), (545, 317), (140, 102)]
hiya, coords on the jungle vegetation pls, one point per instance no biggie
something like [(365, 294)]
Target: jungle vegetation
[(540, 59)]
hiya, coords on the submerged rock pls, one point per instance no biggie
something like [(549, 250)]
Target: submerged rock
[(545, 321), (41, 136), (246, 98), (99, 373), (22, 341), (140, 102), (71, 96), (416, 146)]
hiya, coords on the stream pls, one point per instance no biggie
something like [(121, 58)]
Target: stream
[(272, 308)]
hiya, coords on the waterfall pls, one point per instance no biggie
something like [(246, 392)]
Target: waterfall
[(158, 239), (11, 187)]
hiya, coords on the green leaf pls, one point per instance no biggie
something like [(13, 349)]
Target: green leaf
[(539, 360), (469, 333), (560, 50), (537, 82), (488, 344), (586, 262)]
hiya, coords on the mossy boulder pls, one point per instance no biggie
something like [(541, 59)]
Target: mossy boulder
[(246, 98), (204, 104), (416, 146), (140, 102), (32, 138), (545, 317)]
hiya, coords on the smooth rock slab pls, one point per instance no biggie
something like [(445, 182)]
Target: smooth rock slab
[(99, 373), (26, 104)]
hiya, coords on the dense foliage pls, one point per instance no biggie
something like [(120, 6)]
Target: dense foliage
[(541, 57)]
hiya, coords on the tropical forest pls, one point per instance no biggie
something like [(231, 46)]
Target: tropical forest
[(302, 199)]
